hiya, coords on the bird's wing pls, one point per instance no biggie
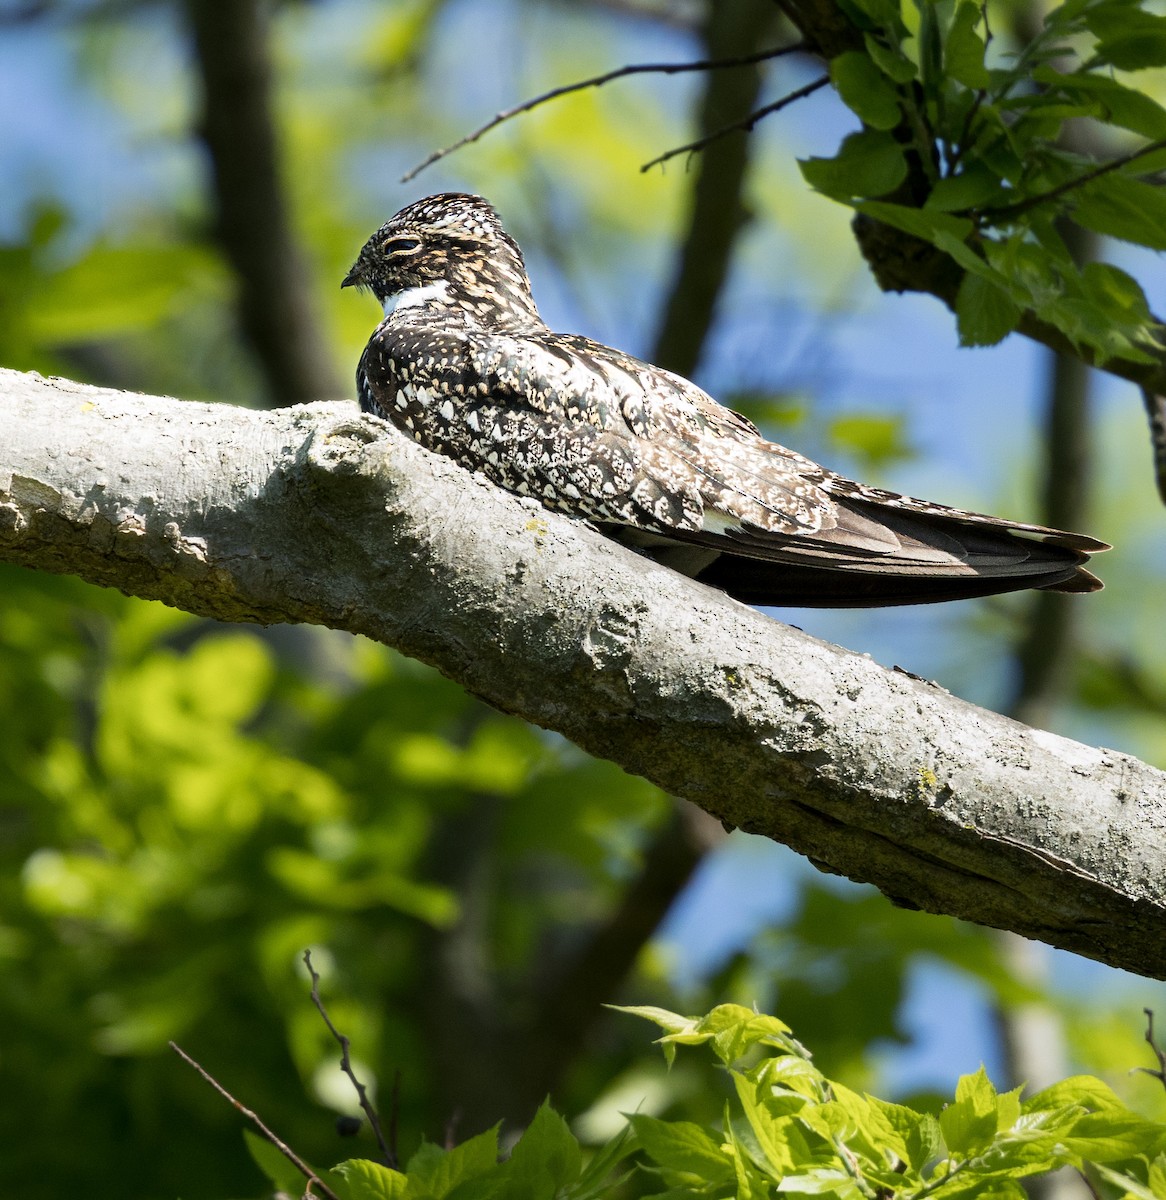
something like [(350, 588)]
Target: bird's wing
[(571, 422), (679, 444), (757, 498), (748, 483), (600, 434)]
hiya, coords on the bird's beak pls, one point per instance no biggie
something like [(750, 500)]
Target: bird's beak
[(354, 277)]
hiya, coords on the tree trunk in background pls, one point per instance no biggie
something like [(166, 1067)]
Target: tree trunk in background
[(1032, 1035), (251, 212), (716, 210)]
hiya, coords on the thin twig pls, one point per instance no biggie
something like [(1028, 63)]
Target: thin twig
[(745, 124), (306, 1171), (711, 64), (992, 216), (388, 1153), (1159, 1053)]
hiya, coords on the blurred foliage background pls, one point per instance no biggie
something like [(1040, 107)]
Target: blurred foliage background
[(184, 807)]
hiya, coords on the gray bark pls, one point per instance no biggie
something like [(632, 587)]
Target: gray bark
[(320, 514)]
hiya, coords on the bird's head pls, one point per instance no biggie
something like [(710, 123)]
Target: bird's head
[(447, 253)]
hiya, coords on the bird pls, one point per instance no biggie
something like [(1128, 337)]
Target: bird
[(464, 365)]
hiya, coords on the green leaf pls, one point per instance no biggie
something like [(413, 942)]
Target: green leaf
[(931, 226), (1130, 1187), (864, 89), (1124, 208), (593, 1180), (868, 163), (439, 1171), (969, 1125), (1157, 1175), (885, 14), (769, 1112), (821, 1181), (893, 63), (670, 1022), (274, 1164), (918, 1132), (1129, 38), (751, 1183), (975, 187), (1086, 1090), (361, 1179), (985, 313), (547, 1156), (737, 1029), (1113, 1135), (1108, 100), (683, 1147), (963, 51), (1111, 288)]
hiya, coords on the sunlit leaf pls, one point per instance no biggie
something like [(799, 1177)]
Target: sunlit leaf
[(1124, 208), (361, 1179), (683, 1147)]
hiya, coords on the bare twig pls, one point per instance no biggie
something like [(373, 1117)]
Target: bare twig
[(712, 64), (1159, 1053), (745, 124), (993, 216), (388, 1151), (306, 1171)]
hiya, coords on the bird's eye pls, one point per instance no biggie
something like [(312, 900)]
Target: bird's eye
[(401, 245)]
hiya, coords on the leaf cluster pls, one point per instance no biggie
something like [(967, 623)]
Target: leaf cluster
[(965, 148), (788, 1129)]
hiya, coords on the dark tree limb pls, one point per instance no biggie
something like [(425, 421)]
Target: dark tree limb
[(716, 213), (252, 222), (1032, 1034), (1045, 651), (322, 515)]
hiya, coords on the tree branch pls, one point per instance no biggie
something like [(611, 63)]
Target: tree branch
[(596, 81), (320, 514), (744, 125), (903, 263)]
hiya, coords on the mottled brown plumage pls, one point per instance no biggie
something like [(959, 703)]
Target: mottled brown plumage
[(463, 363)]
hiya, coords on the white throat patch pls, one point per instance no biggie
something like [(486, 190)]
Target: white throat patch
[(412, 297)]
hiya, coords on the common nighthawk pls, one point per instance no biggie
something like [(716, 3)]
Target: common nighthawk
[(463, 363)]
